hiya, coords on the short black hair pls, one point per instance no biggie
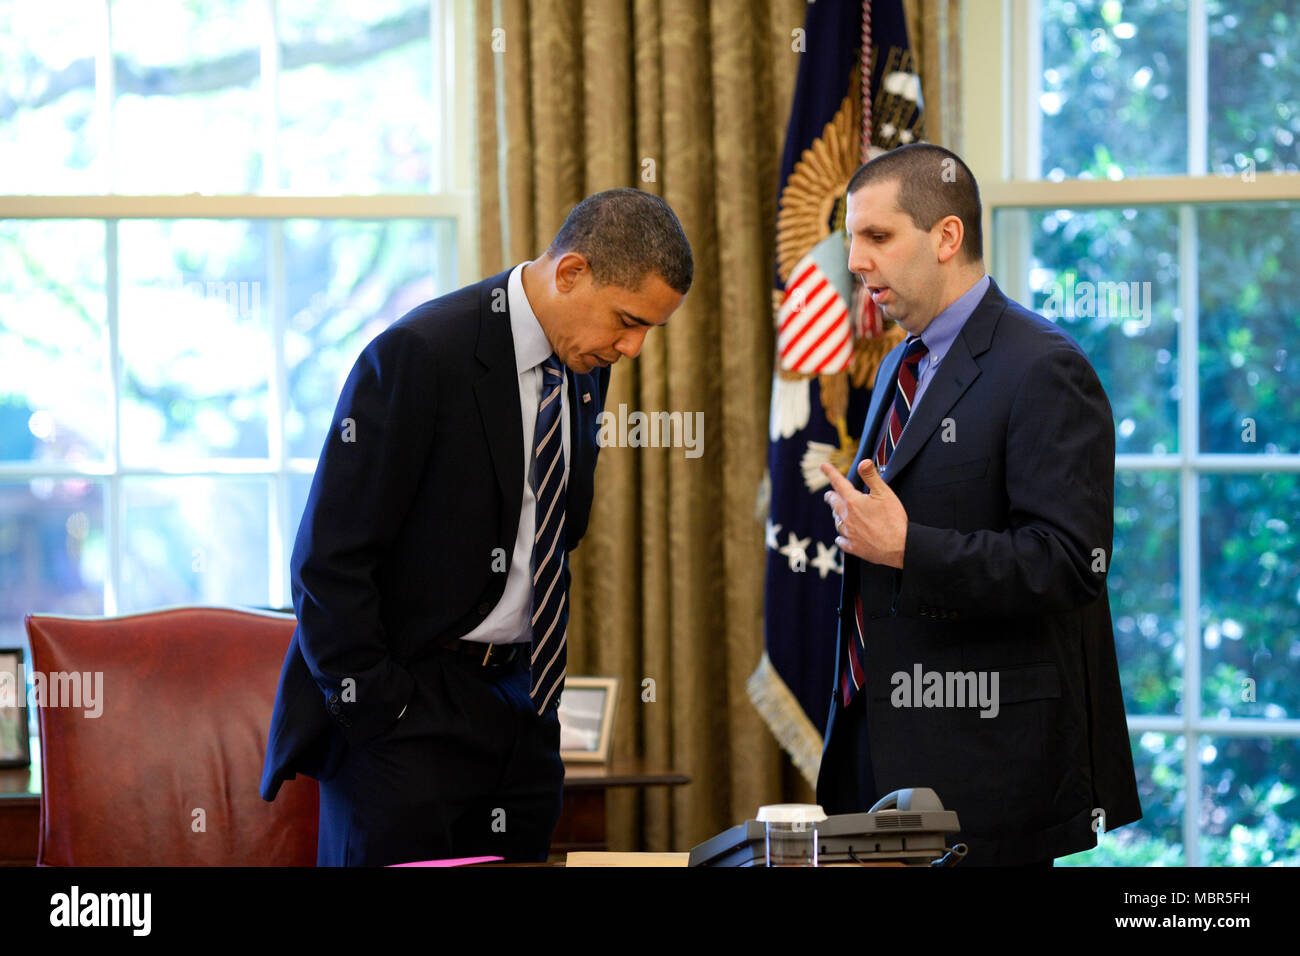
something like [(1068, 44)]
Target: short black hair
[(933, 183), (626, 234)]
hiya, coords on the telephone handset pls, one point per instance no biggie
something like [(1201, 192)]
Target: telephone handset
[(911, 799)]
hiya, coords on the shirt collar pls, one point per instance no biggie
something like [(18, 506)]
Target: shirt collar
[(531, 345), (944, 327)]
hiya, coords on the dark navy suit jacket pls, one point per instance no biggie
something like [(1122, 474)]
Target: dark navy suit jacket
[(419, 483), (1006, 470)]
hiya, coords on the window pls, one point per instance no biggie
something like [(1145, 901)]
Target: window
[(212, 208), (1152, 213)]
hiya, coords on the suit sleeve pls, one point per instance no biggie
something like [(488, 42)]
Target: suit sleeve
[(368, 472), (1060, 488)]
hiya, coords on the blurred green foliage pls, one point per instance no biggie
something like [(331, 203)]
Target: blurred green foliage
[(1114, 105)]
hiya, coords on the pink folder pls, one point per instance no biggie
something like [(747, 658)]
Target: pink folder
[(461, 862)]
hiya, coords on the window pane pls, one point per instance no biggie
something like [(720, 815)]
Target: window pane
[(52, 557), (1145, 598), (1114, 88), (1250, 328), (299, 488), (1249, 814), (356, 96), (1250, 589), (187, 113), (347, 282), (194, 540), (54, 385), (195, 341), (1156, 839), (1109, 277), (1255, 119), (47, 103)]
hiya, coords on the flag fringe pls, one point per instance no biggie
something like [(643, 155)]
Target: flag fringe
[(778, 706)]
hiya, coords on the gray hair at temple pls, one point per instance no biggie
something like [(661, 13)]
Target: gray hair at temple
[(933, 183), (626, 234)]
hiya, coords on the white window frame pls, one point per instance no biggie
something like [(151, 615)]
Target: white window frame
[(451, 195), (1001, 67)]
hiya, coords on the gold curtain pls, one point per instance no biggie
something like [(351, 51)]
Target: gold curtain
[(933, 27), (687, 99)]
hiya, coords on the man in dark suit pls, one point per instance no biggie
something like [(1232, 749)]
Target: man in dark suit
[(975, 650), (430, 573)]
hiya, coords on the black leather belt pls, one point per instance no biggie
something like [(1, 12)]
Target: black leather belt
[(480, 654)]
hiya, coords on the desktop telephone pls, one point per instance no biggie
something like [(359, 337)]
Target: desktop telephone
[(908, 826)]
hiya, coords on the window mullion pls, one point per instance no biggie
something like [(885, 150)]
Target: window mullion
[(113, 542), (1189, 521), (1026, 86), (279, 534), (1198, 88)]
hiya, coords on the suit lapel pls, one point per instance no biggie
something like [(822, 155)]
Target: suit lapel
[(497, 393), (955, 374), (884, 388), (576, 451)]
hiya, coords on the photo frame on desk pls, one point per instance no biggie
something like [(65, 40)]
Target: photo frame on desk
[(15, 749), (587, 719)]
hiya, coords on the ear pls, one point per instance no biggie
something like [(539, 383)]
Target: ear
[(569, 270), (950, 233)]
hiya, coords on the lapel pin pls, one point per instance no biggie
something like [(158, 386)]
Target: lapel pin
[(586, 397)]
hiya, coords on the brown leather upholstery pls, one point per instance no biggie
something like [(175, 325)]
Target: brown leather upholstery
[(186, 702)]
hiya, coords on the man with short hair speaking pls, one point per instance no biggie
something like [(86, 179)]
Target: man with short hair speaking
[(977, 535), (430, 573)]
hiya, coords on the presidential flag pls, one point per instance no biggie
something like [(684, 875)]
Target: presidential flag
[(829, 344)]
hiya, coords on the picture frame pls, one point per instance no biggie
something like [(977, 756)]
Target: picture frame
[(587, 719), (15, 745)]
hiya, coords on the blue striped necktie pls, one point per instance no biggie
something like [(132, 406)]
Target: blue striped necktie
[(853, 674), (550, 560)]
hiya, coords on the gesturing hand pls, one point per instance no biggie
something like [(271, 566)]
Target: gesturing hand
[(871, 526)]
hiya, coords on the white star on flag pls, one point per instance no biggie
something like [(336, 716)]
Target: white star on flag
[(796, 549), (826, 562)]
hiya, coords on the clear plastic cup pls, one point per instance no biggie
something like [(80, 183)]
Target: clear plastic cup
[(791, 833)]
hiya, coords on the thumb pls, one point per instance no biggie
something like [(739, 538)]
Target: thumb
[(871, 477)]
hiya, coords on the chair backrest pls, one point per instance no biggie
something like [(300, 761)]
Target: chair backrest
[(153, 729)]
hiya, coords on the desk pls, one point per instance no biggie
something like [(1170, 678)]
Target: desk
[(581, 826), (582, 822), (20, 811)]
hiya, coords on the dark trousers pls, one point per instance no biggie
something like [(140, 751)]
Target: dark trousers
[(469, 770), (846, 782)]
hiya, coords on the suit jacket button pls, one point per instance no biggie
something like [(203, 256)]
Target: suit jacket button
[(334, 698), (335, 708), (484, 608)]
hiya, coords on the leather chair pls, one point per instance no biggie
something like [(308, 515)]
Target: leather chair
[(158, 762)]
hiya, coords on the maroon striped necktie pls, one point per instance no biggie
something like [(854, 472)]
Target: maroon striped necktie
[(854, 673)]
